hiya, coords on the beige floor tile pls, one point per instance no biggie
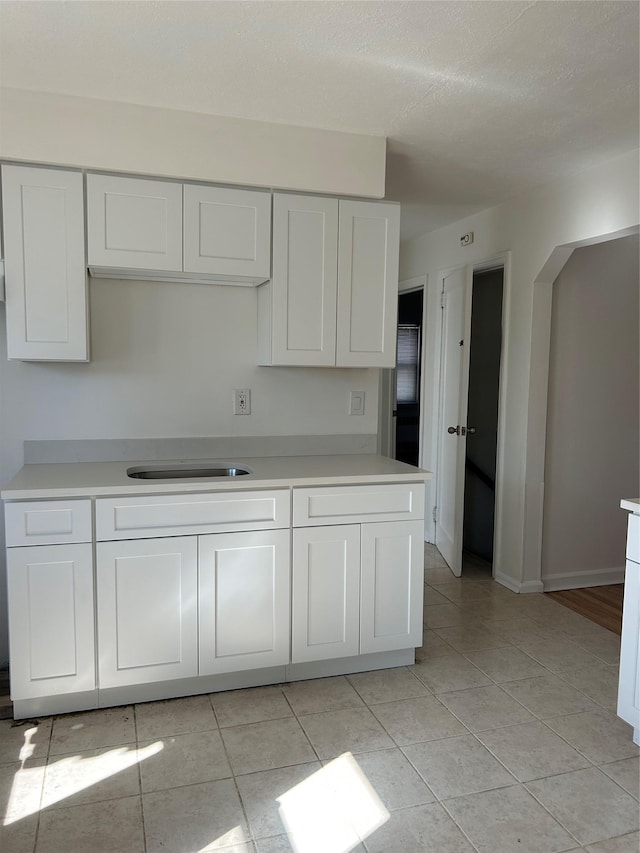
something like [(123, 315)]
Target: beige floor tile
[(416, 720), (267, 745), (24, 740), (600, 735), (385, 685), (456, 766), (21, 789), (443, 615), (506, 664), (517, 628), (588, 804), (494, 608), (548, 696), (558, 655), (322, 694), (184, 760), (174, 717), (254, 705), (109, 773), (432, 596), (467, 590), (469, 637), (353, 730), (261, 793), (454, 672), (194, 818), (623, 844), (438, 574), (283, 844), (433, 646), (393, 779), (626, 773), (19, 836), (92, 730), (506, 820), (605, 646), (420, 829), (598, 682), (532, 751), (484, 708), (110, 826)]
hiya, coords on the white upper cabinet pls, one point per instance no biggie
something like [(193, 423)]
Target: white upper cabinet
[(332, 300), (300, 301), (368, 258), (139, 228), (46, 277), (134, 224), (227, 232)]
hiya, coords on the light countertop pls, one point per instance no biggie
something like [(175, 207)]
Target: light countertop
[(87, 479), (632, 504)]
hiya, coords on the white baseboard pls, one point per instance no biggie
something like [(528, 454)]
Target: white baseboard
[(516, 586), (578, 580)]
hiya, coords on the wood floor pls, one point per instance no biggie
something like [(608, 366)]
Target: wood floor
[(601, 604)]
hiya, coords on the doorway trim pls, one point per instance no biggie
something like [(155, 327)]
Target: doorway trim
[(500, 261)]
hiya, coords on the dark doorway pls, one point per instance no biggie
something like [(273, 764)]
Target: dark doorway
[(482, 416), (407, 410)]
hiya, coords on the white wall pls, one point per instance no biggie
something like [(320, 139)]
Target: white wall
[(593, 432), (581, 208), (165, 358), (89, 133)]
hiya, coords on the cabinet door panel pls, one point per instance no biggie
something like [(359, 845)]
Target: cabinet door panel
[(326, 584), (227, 232), (46, 276), (134, 223), (629, 683), (305, 233), (392, 586), (368, 253), (51, 620), (243, 601), (147, 614)]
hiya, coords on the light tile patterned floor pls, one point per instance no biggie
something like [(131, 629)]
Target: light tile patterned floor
[(501, 737)]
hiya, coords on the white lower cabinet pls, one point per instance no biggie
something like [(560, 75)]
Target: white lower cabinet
[(357, 589), (629, 679), (325, 610), (147, 610), (51, 625), (391, 586), (243, 601)]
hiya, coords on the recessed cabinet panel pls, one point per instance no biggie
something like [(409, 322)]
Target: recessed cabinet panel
[(325, 596), (147, 610), (303, 285), (51, 620), (47, 522), (46, 279), (629, 680), (243, 601), (350, 504), (392, 586), (227, 231), (368, 258), (134, 223)]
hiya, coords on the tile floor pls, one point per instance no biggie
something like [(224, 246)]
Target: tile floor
[(502, 737)]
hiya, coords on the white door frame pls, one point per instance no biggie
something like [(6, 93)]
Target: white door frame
[(497, 261)]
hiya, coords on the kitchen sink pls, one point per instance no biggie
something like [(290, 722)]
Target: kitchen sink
[(186, 470)]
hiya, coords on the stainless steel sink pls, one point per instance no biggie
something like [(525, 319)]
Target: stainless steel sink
[(186, 470)]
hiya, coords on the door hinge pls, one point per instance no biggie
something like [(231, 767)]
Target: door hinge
[(434, 514), (442, 299)]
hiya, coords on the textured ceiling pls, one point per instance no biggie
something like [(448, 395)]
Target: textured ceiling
[(479, 100)]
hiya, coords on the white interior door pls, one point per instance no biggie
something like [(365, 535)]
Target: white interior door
[(454, 386)]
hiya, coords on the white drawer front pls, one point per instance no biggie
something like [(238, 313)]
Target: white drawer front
[(183, 515), (48, 522), (633, 539), (345, 504)]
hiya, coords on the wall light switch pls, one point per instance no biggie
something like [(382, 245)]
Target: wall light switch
[(356, 403)]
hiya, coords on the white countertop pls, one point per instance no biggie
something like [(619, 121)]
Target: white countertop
[(632, 504), (87, 479)]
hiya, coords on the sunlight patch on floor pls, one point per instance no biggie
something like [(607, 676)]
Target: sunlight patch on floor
[(334, 809)]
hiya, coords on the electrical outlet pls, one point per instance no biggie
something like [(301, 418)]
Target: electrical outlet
[(242, 401), (466, 239)]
